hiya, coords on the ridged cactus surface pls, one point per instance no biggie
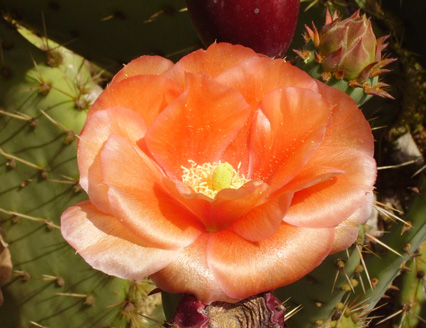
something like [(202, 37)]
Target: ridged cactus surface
[(43, 109), (412, 285), (108, 32)]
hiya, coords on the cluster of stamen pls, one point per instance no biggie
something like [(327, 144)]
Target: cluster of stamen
[(210, 178)]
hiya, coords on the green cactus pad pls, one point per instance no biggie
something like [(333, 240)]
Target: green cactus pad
[(108, 32), (319, 293), (42, 111)]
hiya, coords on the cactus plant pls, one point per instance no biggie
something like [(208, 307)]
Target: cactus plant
[(43, 109), (412, 286), (110, 33)]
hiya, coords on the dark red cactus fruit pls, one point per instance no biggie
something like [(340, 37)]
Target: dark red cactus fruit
[(190, 313), (265, 26)]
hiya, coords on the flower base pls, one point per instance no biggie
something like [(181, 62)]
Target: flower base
[(263, 310)]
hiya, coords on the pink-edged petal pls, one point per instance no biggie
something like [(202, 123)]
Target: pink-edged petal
[(256, 77), (198, 126), (330, 202), (96, 189), (348, 128), (108, 246), (286, 132), (243, 268), (138, 200), (147, 95), (96, 131), (228, 206), (218, 58), (98, 128), (151, 65), (125, 166), (347, 231), (189, 273), (264, 220)]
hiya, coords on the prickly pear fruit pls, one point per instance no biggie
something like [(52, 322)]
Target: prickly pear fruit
[(265, 26)]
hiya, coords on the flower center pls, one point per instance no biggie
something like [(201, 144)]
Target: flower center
[(210, 178)]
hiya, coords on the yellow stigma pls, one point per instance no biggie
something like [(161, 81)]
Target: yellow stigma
[(210, 178)]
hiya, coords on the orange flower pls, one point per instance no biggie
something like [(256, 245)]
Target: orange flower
[(225, 175)]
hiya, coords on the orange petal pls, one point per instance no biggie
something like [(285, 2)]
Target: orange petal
[(243, 268), (96, 131), (312, 175), (238, 151), (349, 128), (151, 65), (286, 133), (264, 220), (147, 95), (256, 77), (138, 200), (218, 58), (228, 206), (347, 231), (347, 146), (198, 126), (108, 246), (189, 273), (328, 203)]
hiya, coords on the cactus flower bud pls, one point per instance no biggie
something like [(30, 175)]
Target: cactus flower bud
[(349, 46), (347, 50)]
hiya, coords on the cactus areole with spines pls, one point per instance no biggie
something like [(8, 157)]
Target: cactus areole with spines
[(265, 26)]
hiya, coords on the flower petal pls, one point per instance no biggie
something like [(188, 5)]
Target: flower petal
[(243, 268), (264, 220), (97, 130), (147, 95), (228, 206), (189, 273), (96, 189), (198, 126), (108, 246), (348, 147), (114, 120), (330, 202), (348, 129), (312, 175), (347, 231), (144, 65), (256, 77), (285, 134), (138, 200), (218, 58)]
